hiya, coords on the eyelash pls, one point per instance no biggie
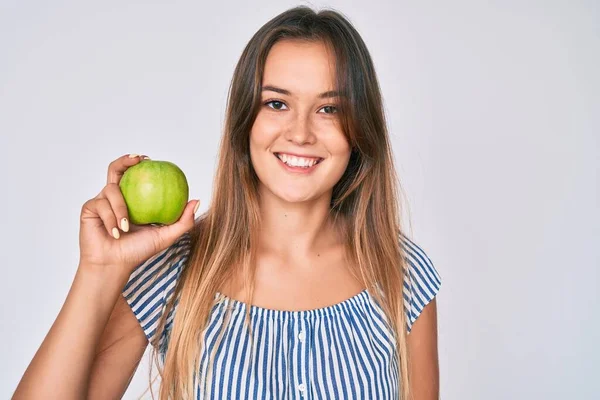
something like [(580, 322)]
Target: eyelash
[(279, 101)]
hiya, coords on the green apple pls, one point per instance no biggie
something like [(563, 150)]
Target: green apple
[(155, 192)]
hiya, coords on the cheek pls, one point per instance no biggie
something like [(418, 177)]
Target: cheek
[(264, 131), (261, 140), (344, 151), (339, 146)]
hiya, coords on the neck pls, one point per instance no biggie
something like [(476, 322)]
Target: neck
[(295, 229)]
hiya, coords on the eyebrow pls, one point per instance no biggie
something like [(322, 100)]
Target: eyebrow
[(331, 93)]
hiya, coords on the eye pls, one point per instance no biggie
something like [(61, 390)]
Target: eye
[(276, 104), (330, 108)]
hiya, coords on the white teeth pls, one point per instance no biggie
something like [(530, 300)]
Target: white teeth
[(297, 161)]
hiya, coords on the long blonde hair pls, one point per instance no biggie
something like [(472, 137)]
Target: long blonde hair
[(365, 200)]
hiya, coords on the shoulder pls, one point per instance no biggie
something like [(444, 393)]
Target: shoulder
[(167, 260), (422, 281), (152, 283)]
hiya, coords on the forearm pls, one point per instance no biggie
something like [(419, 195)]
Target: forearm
[(62, 365)]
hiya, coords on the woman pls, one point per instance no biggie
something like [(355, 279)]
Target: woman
[(304, 225)]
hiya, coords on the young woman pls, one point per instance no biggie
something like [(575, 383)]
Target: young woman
[(298, 282)]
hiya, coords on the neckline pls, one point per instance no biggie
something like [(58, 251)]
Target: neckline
[(333, 309)]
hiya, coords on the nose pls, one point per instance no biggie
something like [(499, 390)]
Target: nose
[(300, 132)]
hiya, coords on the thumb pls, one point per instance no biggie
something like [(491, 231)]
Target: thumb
[(168, 234)]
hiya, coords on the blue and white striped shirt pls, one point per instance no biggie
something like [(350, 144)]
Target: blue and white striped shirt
[(343, 351)]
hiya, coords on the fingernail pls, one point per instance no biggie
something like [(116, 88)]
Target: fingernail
[(133, 155), (145, 158), (125, 225), (196, 206), (116, 233)]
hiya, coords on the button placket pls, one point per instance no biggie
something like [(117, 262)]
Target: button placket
[(303, 367)]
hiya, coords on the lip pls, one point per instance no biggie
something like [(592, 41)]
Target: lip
[(298, 170)]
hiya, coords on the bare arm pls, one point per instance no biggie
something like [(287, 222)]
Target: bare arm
[(73, 348), (118, 354), (422, 345)]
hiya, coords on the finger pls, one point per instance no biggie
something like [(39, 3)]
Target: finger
[(113, 194), (168, 234), (117, 168), (102, 208)]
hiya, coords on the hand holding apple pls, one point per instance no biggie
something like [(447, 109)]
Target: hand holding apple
[(156, 192)]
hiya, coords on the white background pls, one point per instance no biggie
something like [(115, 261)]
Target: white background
[(494, 115)]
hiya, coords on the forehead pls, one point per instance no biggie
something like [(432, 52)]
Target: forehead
[(304, 68)]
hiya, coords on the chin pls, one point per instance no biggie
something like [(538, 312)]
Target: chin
[(294, 195)]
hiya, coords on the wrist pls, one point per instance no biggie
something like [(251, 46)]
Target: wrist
[(104, 278)]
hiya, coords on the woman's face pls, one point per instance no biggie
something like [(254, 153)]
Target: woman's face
[(297, 146)]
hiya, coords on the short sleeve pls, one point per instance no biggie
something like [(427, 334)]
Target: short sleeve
[(421, 282), (152, 284)]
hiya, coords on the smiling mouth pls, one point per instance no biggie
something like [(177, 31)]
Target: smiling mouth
[(298, 162)]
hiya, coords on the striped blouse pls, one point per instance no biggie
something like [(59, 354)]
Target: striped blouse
[(342, 351)]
